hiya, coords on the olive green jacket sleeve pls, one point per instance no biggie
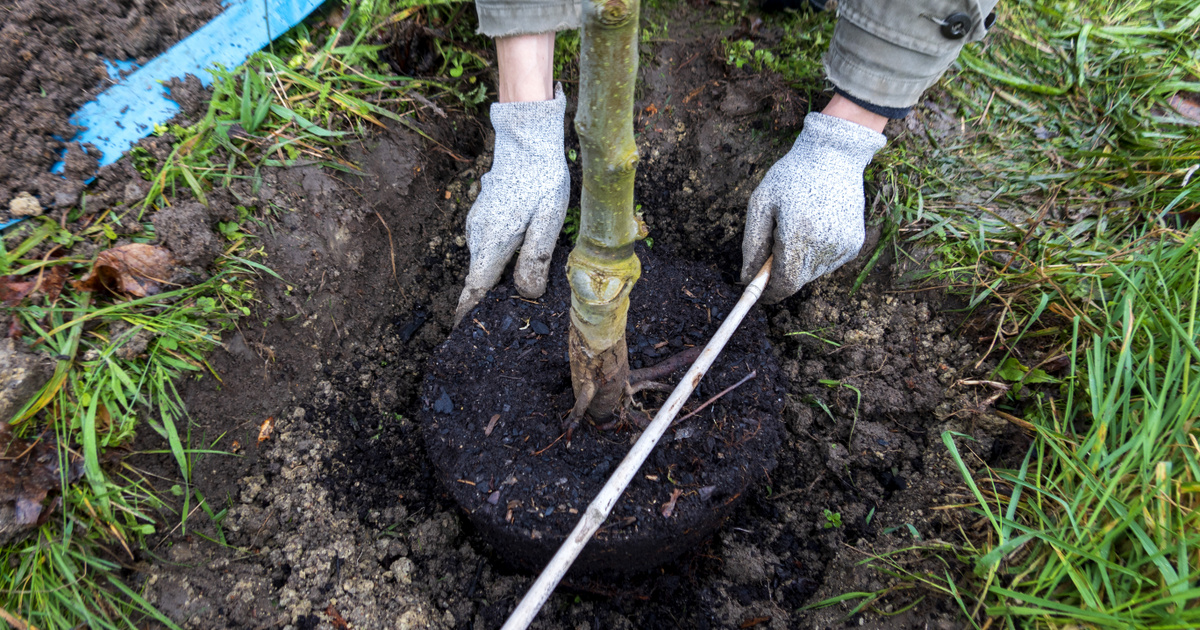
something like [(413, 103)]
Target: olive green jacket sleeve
[(501, 18), (887, 52)]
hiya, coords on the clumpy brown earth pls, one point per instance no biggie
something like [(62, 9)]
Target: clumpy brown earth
[(337, 520), (497, 390), (52, 61)]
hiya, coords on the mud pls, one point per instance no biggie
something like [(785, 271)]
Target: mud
[(338, 516), (496, 392), (52, 61)]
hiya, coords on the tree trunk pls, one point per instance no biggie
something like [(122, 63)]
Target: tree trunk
[(602, 268)]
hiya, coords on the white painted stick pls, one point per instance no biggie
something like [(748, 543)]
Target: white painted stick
[(603, 504)]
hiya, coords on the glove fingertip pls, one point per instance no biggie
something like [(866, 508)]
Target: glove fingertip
[(748, 270), (467, 301), (531, 274)]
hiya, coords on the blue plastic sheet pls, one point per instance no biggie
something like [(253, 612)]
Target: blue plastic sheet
[(128, 111)]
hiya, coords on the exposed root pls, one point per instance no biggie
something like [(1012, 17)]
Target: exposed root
[(632, 387), (595, 376), (583, 398), (666, 366), (628, 415)]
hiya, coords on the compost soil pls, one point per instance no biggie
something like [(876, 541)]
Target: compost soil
[(52, 60), (497, 390), (336, 520)]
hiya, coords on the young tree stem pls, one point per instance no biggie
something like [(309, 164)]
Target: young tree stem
[(602, 268)]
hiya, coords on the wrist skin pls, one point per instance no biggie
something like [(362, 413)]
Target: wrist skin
[(842, 107), (526, 67)]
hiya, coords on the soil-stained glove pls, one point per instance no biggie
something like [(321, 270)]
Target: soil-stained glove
[(524, 196), (808, 210)]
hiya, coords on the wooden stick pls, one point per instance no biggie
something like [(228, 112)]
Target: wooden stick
[(723, 392), (602, 505)]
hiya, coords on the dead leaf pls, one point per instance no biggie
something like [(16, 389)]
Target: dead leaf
[(103, 419), (487, 431), (336, 619), (668, 508), (1186, 103), (29, 472), (754, 621), (136, 269), (53, 281), (264, 430), (13, 289), (48, 282)]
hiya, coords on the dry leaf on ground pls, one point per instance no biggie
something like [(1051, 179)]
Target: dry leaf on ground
[(48, 282), (53, 280), (336, 619), (1186, 103), (136, 269), (668, 508), (28, 474), (13, 289), (264, 431)]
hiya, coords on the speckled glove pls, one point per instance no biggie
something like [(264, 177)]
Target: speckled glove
[(522, 200), (808, 210)]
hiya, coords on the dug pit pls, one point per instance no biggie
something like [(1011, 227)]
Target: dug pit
[(496, 392)]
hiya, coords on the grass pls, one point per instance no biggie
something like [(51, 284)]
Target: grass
[(1078, 243), (293, 104), (1100, 524), (1052, 185)]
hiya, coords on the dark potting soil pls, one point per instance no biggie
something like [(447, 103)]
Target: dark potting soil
[(496, 392), (52, 61)]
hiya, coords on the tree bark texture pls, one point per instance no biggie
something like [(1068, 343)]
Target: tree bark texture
[(603, 268)]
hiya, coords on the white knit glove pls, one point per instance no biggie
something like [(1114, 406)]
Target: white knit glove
[(522, 200), (808, 210)]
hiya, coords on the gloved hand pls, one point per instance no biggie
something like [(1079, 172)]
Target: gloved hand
[(812, 199), (524, 196)]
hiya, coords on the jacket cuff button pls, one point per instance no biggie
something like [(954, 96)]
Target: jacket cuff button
[(956, 26)]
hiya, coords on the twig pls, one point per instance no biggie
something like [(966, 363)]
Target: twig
[(391, 247), (776, 497), (16, 622), (536, 453), (428, 103), (714, 398)]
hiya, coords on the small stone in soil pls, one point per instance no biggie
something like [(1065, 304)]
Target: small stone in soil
[(539, 328), (24, 205), (443, 404), (409, 329)]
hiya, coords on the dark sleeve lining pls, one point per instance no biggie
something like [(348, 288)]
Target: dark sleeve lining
[(890, 112)]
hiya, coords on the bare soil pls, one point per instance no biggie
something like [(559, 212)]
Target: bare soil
[(52, 58), (337, 518)]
